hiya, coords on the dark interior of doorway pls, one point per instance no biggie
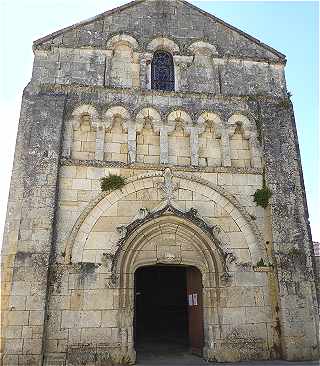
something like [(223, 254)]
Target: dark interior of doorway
[(161, 310)]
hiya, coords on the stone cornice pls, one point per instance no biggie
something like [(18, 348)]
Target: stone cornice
[(141, 166), (79, 89)]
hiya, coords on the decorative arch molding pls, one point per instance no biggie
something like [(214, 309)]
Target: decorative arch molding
[(179, 115), (204, 48), (167, 227), (116, 111), (242, 120), (249, 133), (172, 222), (163, 43), (95, 209), (122, 39), (75, 122), (85, 109), (151, 114), (129, 126), (212, 119)]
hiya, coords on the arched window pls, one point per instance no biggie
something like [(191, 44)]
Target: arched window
[(162, 71)]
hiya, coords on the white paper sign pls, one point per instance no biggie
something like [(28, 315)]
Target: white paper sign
[(195, 299)]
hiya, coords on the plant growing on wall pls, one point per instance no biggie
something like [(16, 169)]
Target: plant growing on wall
[(262, 196), (260, 263), (112, 182)]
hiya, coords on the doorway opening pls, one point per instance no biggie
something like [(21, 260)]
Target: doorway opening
[(168, 311)]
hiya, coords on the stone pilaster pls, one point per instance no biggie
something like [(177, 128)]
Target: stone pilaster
[(194, 132), (292, 242), (145, 70), (99, 155), (254, 151), (28, 233), (225, 148)]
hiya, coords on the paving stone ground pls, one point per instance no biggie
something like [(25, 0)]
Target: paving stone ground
[(194, 361), (176, 355)]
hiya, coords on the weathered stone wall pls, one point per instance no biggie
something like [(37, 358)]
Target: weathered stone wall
[(116, 48), (291, 236), (29, 227), (70, 251), (84, 306)]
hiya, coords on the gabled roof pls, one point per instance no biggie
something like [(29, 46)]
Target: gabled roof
[(121, 8)]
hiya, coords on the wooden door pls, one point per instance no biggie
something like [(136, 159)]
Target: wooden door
[(195, 310)]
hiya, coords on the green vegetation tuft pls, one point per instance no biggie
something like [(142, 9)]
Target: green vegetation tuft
[(262, 196), (112, 182)]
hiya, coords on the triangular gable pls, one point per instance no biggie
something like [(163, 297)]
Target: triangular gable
[(193, 8)]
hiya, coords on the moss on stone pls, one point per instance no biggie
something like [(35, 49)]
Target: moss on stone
[(112, 182), (262, 196)]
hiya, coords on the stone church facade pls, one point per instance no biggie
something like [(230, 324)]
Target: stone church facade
[(194, 115)]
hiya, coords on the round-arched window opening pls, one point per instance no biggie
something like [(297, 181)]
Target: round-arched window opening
[(162, 71)]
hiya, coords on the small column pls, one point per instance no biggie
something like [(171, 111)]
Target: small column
[(99, 155), (254, 152), (225, 148), (194, 141), (107, 69), (132, 143), (164, 145), (145, 71), (194, 132)]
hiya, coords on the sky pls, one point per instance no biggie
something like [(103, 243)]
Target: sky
[(291, 27)]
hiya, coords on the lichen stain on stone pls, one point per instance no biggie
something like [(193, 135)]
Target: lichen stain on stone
[(243, 345)]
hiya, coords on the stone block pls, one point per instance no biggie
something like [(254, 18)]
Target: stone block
[(151, 140), (143, 150), (80, 155), (81, 171), (17, 302), (128, 209), (35, 302), (10, 360), (154, 150), (224, 179), (20, 288), (18, 317), (89, 256), (59, 302), (83, 184), (259, 314), (27, 332), (151, 159), (32, 346), (113, 148), (14, 346), (234, 315), (100, 299), (96, 335), (80, 319), (95, 173), (119, 157), (36, 317), (99, 240), (109, 224), (12, 331), (185, 195)]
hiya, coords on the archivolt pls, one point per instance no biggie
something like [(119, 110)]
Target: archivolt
[(95, 209), (206, 257)]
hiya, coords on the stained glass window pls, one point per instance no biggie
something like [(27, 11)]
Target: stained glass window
[(162, 71)]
